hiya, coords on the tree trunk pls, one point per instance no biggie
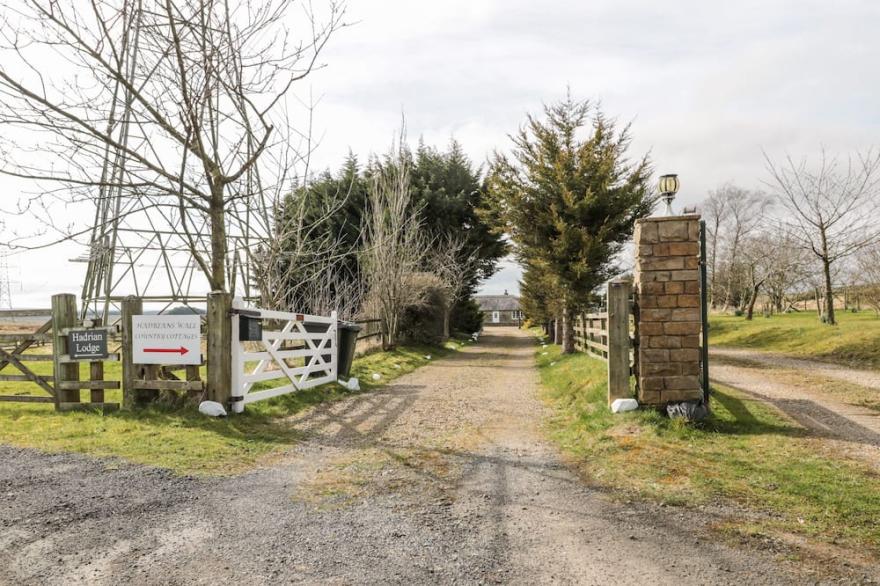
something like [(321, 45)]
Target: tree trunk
[(389, 330), (829, 294), (557, 331), (729, 289), (446, 313), (751, 310), (568, 330), (818, 302), (217, 278)]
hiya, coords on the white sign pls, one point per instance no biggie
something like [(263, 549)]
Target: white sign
[(166, 339)]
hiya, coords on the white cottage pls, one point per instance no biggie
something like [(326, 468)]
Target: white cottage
[(500, 310)]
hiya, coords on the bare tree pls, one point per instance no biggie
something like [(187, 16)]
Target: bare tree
[(867, 271), (786, 265), (451, 265), (302, 267), (715, 214), (396, 247), (173, 108), (744, 212), (756, 269), (832, 208)]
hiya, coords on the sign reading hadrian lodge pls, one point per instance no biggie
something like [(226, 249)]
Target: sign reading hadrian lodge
[(84, 344), (166, 339)]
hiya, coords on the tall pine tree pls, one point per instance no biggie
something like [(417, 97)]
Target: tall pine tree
[(450, 192), (569, 196)]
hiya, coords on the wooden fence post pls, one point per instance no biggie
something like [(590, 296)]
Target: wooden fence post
[(219, 347), (130, 306), (96, 373), (618, 340), (63, 316)]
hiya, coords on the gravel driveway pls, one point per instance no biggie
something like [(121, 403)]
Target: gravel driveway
[(442, 477)]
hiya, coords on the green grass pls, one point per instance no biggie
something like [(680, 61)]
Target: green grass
[(746, 454), (855, 340), (182, 439)]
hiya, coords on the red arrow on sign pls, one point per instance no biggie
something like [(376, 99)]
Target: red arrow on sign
[(180, 350)]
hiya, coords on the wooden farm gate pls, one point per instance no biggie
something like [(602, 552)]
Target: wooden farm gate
[(19, 351), (265, 342), (64, 384)]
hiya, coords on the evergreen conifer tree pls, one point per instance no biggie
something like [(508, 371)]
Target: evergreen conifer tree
[(569, 196)]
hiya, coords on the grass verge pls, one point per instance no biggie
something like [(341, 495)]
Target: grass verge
[(183, 440), (746, 455), (854, 340)]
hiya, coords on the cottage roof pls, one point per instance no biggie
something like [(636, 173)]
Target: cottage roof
[(497, 302)]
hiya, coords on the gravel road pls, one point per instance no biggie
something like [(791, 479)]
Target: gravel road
[(442, 477)]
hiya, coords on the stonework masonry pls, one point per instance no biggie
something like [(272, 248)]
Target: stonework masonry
[(667, 286)]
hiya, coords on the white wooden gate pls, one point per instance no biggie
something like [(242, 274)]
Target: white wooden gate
[(285, 337)]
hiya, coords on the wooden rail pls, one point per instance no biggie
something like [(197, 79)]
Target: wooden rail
[(370, 328), (591, 334)]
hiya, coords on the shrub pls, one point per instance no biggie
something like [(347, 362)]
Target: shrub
[(423, 324), (466, 317)]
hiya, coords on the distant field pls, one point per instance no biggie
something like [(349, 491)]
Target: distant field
[(21, 324), (855, 340)]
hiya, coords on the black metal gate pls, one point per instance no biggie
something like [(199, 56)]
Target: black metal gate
[(704, 315)]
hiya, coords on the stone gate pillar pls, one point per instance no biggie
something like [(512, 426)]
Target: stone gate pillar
[(667, 287)]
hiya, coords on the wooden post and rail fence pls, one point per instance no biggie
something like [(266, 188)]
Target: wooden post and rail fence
[(606, 335), (27, 354)]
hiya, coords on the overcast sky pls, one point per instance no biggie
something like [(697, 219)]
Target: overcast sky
[(707, 85)]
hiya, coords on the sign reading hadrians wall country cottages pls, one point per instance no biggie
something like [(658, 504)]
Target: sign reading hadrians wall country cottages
[(166, 339), (84, 344)]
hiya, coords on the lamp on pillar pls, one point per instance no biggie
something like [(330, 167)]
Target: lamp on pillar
[(669, 185)]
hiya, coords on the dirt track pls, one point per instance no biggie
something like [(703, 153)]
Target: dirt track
[(441, 477), (800, 389)]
